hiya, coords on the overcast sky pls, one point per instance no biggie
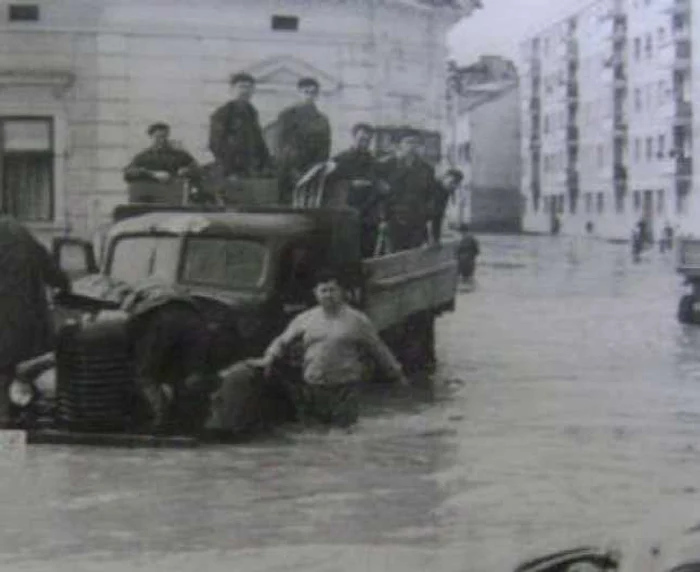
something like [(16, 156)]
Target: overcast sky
[(501, 24)]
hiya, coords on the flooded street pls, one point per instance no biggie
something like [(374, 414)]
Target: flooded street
[(566, 407)]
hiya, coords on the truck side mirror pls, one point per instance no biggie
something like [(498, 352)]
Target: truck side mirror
[(75, 256)]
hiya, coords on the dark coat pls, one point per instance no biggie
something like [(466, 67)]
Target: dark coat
[(304, 140), (411, 201), (360, 169), (166, 158), (236, 139), (27, 269)]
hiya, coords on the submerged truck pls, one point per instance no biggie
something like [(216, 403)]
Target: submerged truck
[(183, 291)]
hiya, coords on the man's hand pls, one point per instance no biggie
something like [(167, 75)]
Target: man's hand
[(264, 363)]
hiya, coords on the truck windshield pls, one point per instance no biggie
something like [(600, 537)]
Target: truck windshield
[(135, 258), (224, 262)]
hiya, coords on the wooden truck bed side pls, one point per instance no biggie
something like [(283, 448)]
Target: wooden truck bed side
[(688, 256), (405, 283)]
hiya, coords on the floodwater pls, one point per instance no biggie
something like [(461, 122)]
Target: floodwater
[(566, 407)]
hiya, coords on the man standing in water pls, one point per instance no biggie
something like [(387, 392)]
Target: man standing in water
[(304, 138), (26, 326), (334, 338)]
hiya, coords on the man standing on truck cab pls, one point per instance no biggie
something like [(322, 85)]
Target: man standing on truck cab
[(26, 325), (334, 338), (411, 200), (235, 136), (357, 168), (304, 138), (162, 161)]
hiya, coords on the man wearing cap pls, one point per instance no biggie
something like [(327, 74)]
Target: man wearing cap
[(410, 204), (358, 168), (161, 161), (304, 138), (235, 136)]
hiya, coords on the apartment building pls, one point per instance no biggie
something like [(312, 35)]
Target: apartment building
[(607, 118)]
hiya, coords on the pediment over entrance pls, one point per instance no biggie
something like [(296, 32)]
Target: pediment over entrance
[(281, 73)]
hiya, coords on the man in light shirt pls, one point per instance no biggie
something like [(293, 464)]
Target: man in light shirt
[(335, 340)]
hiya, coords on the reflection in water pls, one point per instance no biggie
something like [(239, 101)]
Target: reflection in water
[(567, 406)]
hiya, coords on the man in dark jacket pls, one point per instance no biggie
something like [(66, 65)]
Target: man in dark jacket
[(235, 136), (358, 168), (161, 161), (412, 193), (304, 138), (444, 191), (26, 327)]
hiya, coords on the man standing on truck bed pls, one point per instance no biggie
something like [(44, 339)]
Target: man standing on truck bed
[(162, 161), (411, 201), (26, 327), (304, 138), (334, 338), (235, 136), (358, 168)]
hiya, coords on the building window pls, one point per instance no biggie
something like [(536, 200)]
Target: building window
[(637, 48), (285, 23), (23, 13), (660, 201), (661, 95), (637, 200), (26, 164), (661, 35), (637, 149), (589, 203), (600, 156), (619, 203), (600, 203), (545, 127), (637, 99), (661, 147), (649, 148), (648, 46)]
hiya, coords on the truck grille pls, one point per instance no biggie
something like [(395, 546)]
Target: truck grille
[(95, 380)]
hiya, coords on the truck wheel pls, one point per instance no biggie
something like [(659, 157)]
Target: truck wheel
[(686, 315)]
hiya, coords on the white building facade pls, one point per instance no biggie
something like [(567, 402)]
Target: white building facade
[(81, 79), (607, 118)]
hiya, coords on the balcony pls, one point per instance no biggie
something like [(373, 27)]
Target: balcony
[(620, 129), (620, 79), (572, 133), (682, 33), (571, 90), (619, 33), (680, 7), (684, 167), (619, 173), (684, 112), (683, 54)]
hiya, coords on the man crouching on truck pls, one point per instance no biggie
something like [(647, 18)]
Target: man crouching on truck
[(334, 338)]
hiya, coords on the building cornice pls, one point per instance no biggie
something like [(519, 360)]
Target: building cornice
[(56, 81)]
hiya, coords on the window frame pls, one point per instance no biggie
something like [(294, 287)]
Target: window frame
[(49, 155)]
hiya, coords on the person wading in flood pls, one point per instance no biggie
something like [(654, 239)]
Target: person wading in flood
[(26, 327), (334, 338)]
